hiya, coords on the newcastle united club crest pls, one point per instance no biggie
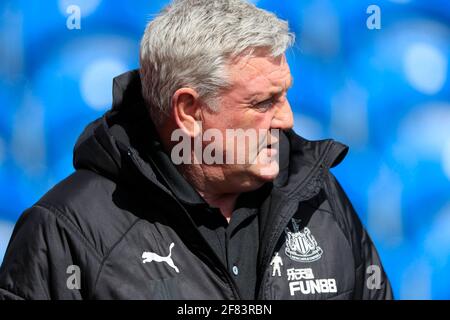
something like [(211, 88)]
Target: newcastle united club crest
[(301, 245)]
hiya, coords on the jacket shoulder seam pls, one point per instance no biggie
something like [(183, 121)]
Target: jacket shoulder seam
[(105, 258), (59, 214)]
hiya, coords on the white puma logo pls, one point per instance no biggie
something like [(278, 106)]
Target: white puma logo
[(151, 256)]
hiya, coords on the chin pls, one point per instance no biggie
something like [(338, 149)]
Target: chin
[(251, 180), (252, 177), (267, 172)]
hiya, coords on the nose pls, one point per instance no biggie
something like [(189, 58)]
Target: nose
[(283, 118)]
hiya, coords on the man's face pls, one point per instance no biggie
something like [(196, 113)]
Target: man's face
[(256, 101)]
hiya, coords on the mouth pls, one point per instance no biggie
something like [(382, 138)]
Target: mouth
[(274, 143), (269, 151), (269, 142)]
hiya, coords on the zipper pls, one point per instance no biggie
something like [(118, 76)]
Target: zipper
[(225, 273), (273, 242), (279, 230)]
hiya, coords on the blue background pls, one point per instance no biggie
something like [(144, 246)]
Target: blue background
[(383, 92)]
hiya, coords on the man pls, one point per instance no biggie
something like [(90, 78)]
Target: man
[(145, 216)]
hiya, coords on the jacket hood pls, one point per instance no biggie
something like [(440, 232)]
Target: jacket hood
[(107, 143), (126, 130)]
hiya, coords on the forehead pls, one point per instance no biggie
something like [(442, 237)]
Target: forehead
[(260, 73)]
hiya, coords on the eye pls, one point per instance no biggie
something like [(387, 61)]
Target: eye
[(264, 105)]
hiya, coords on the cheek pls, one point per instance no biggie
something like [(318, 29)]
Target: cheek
[(260, 120), (215, 121)]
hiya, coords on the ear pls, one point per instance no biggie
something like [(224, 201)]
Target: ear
[(186, 106)]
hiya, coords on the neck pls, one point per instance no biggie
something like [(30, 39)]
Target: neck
[(219, 198), (203, 182)]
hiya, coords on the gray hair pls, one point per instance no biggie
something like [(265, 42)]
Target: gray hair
[(190, 43)]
